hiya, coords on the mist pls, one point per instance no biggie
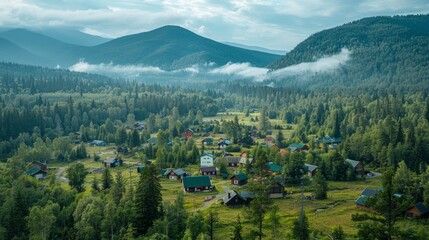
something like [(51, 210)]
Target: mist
[(229, 71)]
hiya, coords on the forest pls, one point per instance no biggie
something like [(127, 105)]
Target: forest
[(51, 116)]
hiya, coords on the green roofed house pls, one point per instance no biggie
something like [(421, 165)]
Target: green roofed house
[(196, 183), (298, 147), (274, 168), (239, 179), (37, 173), (152, 141), (330, 142)]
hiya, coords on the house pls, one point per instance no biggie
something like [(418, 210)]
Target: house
[(269, 139), (274, 168), (276, 189), (239, 179), (244, 160), (366, 193), (196, 183), (207, 141), (139, 125), (311, 169), (37, 173), (122, 150), (357, 166), (232, 161), (330, 142), (152, 141), (206, 160), (244, 154), (247, 196), (39, 165), (187, 134), (210, 171), (274, 146), (98, 143), (112, 162), (298, 147), (223, 143), (233, 199), (419, 210), (176, 174)]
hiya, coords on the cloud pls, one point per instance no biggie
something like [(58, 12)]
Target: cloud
[(210, 71), (241, 70), (124, 71), (324, 64), (271, 24)]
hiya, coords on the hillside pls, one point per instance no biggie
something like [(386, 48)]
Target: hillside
[(53, 51), (168, 47), (385, 52), (173, 47)]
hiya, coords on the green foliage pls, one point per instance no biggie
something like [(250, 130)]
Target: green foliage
[(300, 227), (195, 226), (147, 199), (40, 222), (76, 173), (320, 185), (236, 234), (295, 168), (338, 233), (106, 179)]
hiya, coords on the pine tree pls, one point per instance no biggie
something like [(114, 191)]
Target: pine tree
[(338, 233), (106, 179), (320, 185), (300, 228), (148, 199), (237, 230)]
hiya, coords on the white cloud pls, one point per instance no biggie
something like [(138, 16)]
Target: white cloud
[(241, 70), (208, 70), (271, 24), (324, 64), (124, 71)]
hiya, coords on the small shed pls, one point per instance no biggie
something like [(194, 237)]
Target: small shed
[(196, 183), (207, 141), (209, 171), (419, 210), (239, 179), (112, 162)]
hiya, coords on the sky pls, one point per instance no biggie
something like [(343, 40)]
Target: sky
[(278, 25)]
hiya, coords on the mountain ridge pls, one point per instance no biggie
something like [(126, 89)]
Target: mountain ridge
[(169, 47)]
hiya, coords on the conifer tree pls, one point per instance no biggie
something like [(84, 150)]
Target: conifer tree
[(147, 199)]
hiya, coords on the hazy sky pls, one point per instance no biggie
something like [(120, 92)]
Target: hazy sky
[(272, 24)]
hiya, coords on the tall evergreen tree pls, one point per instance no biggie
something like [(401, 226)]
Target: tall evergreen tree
[(106, 179), (236, 234), (148, 199)]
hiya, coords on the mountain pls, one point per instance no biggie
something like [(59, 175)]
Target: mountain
[(13, 53), (256, 48), (52, 52), (386, 52), (173, 47), (72, 36), (168, 47)]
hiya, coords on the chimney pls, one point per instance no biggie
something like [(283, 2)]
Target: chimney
[(229, 195)]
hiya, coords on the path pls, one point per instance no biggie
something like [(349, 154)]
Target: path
[(59, 173)]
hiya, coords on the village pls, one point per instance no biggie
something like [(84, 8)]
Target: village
[(221, 179)]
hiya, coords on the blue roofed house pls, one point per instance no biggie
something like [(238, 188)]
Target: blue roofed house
[(98, 143), (298, 147), (176, 174), (357, 166), (366, 193), (311, 169)]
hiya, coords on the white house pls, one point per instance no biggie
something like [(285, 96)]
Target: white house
[(206, 160)]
